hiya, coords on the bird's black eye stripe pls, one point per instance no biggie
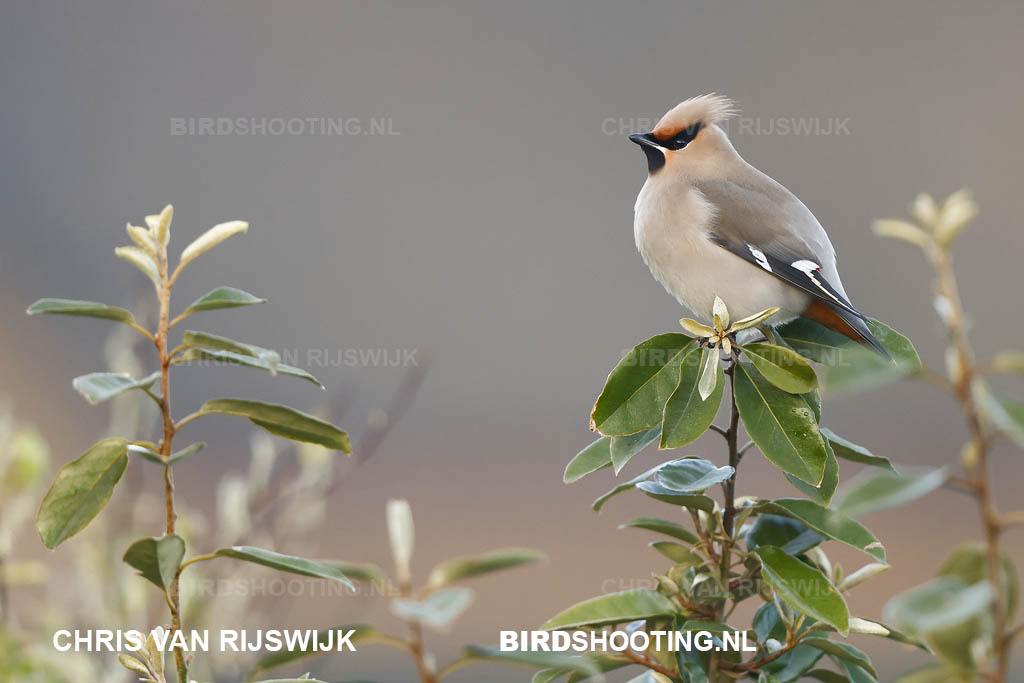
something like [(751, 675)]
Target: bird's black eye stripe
[(684, 137)]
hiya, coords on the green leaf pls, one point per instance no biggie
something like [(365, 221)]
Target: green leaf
[(156, 559), (679, 554), (222, 297), (186, 452), (97, 387), (285, 563), (821, 494), (89, 309), (283, 421), (594, 457), (687, 416), (563, 663), (468, 566), (835, 525), (625, 486), (851, 365), (711, 372), (691, 475), (364, 633), (790, 535), (614, 608), (804, 588), (133, 664), (783, 367), (360, 571), (202, 357), (854, 672), (662, 526), (637, 389), (969, 563), (437, 610), (146, 452), (792, 666), (1005, 414), (767, 624), (782, 425), (841, 651), (827, 676), (877, 490), (690, 501), (850, 451), (623, 448), (942, 602), (813, 401), (192, 338), (815, 341), (80, 490)]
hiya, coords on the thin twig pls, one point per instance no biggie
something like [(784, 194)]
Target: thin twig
[(649, 663), (719, 430), (143, 331)]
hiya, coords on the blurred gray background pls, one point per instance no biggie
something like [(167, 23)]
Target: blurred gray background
[(479, 206)]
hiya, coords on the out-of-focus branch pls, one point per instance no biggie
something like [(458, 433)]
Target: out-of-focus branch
[(369, 441), (979, 474)]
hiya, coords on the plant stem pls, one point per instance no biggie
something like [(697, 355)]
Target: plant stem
[(161, 341), (415, 644), (729, 502), (418, 655), (979, 475), (731, 439)]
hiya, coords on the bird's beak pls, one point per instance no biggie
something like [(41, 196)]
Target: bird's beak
[(645, 140)]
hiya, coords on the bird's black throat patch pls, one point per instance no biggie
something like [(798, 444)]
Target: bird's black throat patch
[(655, 159)]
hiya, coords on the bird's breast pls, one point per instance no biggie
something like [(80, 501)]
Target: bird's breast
[(672, 234)]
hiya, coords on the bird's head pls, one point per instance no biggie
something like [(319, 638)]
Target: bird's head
[(682, 131)]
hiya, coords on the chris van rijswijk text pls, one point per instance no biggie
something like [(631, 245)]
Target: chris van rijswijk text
[(227, 640)]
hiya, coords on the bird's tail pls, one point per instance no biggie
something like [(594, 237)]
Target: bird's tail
[(845, 323)]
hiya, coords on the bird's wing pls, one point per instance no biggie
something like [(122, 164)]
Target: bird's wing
[(764, 223)]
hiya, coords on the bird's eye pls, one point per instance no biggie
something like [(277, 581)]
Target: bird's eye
[(685, 137)]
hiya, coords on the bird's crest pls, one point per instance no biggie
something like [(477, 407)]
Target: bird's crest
[(694, 114)]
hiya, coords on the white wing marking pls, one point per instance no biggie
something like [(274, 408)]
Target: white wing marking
[(759, 256)]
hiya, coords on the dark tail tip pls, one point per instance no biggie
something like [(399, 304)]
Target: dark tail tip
[(864, 335)]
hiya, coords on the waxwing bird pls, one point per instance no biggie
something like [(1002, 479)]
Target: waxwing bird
[(708, 223)]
